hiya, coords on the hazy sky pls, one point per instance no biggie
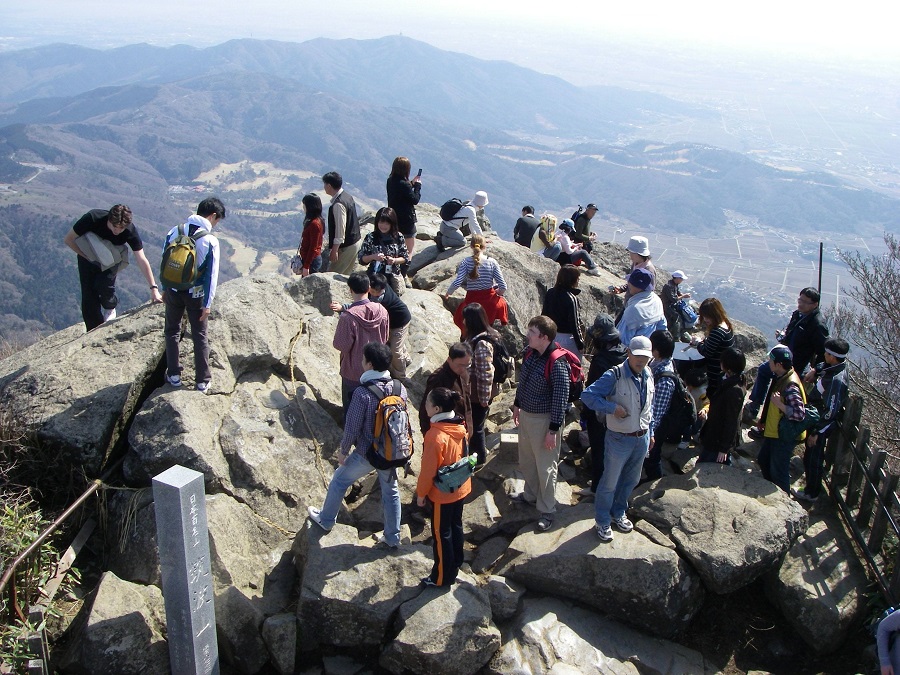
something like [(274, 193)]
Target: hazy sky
[(489, 29)]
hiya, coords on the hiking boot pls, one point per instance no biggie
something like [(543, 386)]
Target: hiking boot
[(545, 522), (623, 524), (756, 434), (203, 387), (439, 242), (315, 515), (604, 532), (174, 380), (802, 496)]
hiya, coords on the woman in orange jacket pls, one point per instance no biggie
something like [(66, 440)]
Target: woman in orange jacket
[(445, 443)]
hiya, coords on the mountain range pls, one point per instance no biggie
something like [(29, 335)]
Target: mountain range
[(82, 128)]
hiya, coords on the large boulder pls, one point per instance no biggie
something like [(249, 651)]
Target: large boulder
[(554, 636), (123, 632), (631, 579), (731, 525), (444, 631), (820, 586), (80, 390), (350, 590)]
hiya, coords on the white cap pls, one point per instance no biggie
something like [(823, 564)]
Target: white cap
[(481, 199), (640, 346), (678, 274)]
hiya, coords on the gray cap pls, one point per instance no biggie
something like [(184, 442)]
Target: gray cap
[(640, 346)]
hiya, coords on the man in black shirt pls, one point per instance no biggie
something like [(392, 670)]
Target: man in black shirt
[(100, 238)]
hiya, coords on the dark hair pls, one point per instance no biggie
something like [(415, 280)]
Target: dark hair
[(377, 281), (388, 214), (733, 360), (210, 206), (811, 293), (712, 309), (458, 350), (663, 342), (568, 276), (528, 209), (476, 321), (333, 178), (696, 377), (119, 215), (443, 398), (401, 167), (378, 354), (358, 282), (839, 346), (545, 325), (312, 204)]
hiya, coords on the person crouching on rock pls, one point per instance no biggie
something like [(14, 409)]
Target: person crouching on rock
[(359, 431), (444, 445)]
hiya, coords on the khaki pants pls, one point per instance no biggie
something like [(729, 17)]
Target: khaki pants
[(346, 262), (537, 464), (400, 357)]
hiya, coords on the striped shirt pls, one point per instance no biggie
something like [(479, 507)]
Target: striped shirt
[(664, 387), (489, 275), (719, 339)]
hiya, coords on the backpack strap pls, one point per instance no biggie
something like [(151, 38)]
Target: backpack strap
[(557, 353), (395, 387), (376, 391)]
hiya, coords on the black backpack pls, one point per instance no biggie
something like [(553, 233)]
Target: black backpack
[(451, 207), (682, 411), (577, 214), (504, 365)]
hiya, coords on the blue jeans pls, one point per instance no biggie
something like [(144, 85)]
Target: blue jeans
[(552, 251), (346, 475), (775, 461), (761, 384), (623, 459)]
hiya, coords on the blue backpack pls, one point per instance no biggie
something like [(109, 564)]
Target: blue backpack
[(686, 312)]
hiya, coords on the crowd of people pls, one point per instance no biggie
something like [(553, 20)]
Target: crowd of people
[(624, 372)]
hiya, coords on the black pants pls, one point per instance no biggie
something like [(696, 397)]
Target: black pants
[(98, 292), (177, 304), (653, 462), (597, 437), (447, 531), (479, 414)]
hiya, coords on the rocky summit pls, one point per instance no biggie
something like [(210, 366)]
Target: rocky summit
[(289, 597)]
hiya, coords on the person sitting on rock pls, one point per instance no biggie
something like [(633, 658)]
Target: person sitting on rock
[(787, 398), (525, 227), (444, 445), (453, 232), (720, 434), (359, 434), (544, 240), (571, 253), (484, 284)]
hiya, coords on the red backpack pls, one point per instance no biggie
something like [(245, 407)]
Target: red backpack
[(576, 374)]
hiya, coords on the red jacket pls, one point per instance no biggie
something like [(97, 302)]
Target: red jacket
[(311, 241)]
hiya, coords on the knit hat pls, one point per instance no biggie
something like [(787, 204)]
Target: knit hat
[(640, 346), (782, 355), (641, 279), (481, 199), (639, 245), (604, 328)]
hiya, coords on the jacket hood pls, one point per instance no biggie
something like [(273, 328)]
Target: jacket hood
[(368, 313), (453, 428)]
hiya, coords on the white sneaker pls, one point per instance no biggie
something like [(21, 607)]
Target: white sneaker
[(203, 387), (316, 516), (108, 314), (604, 532), (594, 272), (174, 380), (623, 524)]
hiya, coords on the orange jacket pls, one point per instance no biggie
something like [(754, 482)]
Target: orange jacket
[(443, 446)]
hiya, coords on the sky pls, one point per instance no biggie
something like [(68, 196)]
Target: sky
[(862, 29)]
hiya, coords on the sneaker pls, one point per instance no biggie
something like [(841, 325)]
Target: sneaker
[(315, 515), (684, 445), (203, 387), (439, 242), (428, 581), (604, 532), (756, 434), (801, 496), (108, 314), (623, 524), (381, 542), (174, 380), (594, 272), (545, 522), (407, 282)]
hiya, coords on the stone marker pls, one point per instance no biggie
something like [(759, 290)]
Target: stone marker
[(187, 583)]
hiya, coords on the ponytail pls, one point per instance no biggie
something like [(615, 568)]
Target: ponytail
[(477, 247)]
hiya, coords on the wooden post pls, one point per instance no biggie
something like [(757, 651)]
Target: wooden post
[(870, 489), (882, 513), (857, 468)]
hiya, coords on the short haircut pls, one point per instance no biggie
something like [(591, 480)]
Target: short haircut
[(210, 206), (663, 342), (545, 326), (312, 204), (568, 276), (733, 360), (401, 167), (458, 350), (377, 281), (443, 398), (333, 178), (811, 293), (358, 282), (836, 346), (696, 377), (120, 214), (528, 209), (378, 354)]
